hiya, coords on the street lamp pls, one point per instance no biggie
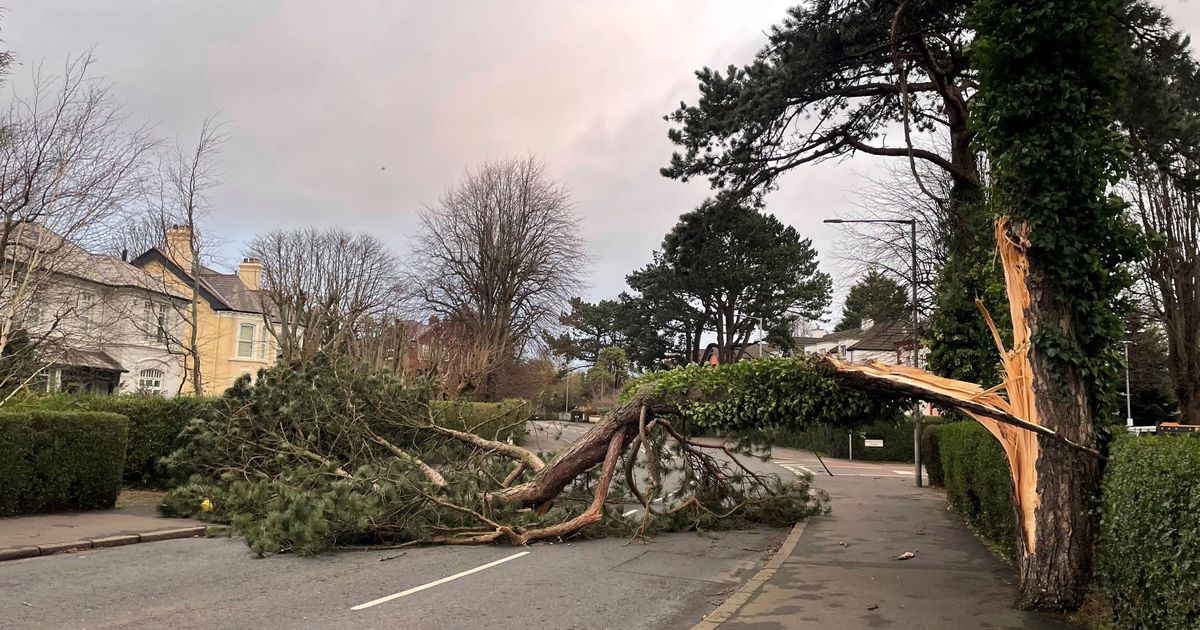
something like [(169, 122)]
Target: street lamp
[(1128, 400), (916, 337)]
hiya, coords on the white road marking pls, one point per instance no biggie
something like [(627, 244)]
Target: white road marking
[(417, 589)]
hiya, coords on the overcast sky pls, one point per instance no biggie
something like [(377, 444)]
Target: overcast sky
[(357, 114)]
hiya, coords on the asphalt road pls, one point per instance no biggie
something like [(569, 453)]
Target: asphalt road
[(672, 581)]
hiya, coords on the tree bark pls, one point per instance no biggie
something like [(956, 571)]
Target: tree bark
[(584, 453), (1054, 563)]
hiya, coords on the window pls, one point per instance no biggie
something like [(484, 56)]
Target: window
[(87, 302), (263, 342), (154, 321), (150, 381), (33, 314), (245, 347)]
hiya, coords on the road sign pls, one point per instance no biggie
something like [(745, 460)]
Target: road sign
[(873, 443)]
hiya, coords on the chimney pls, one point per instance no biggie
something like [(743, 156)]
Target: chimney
[(867, 324), (250, 272), (179, 246)]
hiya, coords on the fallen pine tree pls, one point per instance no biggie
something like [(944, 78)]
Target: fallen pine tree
[(327, 454)]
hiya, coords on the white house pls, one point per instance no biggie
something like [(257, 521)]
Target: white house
[(101, 324), (888, 342)]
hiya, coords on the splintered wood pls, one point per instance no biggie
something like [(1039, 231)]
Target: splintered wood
[(1011, 417)]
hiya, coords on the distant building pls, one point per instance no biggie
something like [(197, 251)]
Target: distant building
[(234, 327), (888, 342)]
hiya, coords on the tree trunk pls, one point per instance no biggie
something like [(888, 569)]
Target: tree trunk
[(1054, 561), (589, 450), (1183, 361), (1053, 479)]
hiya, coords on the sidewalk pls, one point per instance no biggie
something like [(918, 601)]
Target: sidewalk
[(43, 534), (843, 573)]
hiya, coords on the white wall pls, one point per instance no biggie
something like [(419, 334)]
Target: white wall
[(116, 324)]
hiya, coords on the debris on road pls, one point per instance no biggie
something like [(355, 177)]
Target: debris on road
[(907, 555)]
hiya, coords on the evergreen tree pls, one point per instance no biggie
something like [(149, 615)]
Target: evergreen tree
[(742, 267), (589, 329), (876, 297)]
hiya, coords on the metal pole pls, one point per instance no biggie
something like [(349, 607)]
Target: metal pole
[(851, 440), (1128, 400), (916, 337), (916, 351)]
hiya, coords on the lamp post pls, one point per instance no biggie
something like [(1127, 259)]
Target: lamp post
[(916, 337), (1128, 400)]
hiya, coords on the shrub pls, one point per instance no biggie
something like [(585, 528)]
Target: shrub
[(503, 421), (835, 442), (155, 424), (60, 460), (1148, 560), (977, 482)]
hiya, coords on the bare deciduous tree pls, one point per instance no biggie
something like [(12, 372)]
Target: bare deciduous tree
[(886, 247), (1170, 216), (327, 287), (179, 200), (499, 257), (69, 162)]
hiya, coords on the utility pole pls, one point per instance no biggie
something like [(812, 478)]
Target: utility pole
[(916, 335)]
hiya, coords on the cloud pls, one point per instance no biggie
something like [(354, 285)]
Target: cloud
[(358, 114)]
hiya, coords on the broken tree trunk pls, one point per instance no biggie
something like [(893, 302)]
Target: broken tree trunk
[(589, 450), (1053, 479)]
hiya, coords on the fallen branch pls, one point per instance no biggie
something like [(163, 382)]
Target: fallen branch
[(916, 383)]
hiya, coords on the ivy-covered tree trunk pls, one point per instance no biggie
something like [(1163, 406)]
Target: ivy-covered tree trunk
[(1044, 107), (1055, 550)]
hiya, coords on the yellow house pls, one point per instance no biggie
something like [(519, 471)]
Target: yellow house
[(232, 322)]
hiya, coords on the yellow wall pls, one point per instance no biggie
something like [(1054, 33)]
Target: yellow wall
[(216, 340)]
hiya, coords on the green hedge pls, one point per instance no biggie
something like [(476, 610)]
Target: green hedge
[(977, 481), (835, 442), (502, 421), (1148, 560), (60, 460), (154, 426)]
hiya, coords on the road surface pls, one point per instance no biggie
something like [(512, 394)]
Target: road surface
[(670, 582)]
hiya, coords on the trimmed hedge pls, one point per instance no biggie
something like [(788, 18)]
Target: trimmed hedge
[(154, 427), (977, 481), (1148, 559), (503, 421), (60, 460)]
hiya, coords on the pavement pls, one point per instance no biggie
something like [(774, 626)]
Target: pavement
[(44, 534), (843, 572)]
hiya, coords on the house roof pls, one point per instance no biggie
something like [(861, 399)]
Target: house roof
[(852, 333), (222, 291), (95, 359), (69, 259), (885, 336)]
